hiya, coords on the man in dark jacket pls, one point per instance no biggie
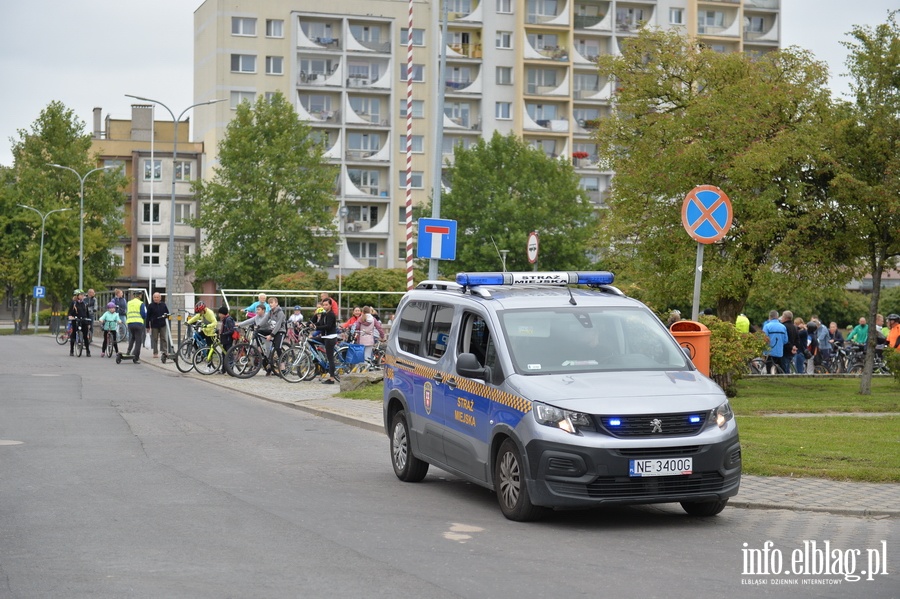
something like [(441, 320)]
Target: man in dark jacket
[(157, 313), (790, 348), (79, 315)]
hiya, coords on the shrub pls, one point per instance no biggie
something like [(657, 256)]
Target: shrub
[(730, 351)]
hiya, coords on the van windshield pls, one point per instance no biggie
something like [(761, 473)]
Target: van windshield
[(589, 339)]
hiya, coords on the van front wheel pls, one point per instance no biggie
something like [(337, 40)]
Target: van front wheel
[(509, 483)]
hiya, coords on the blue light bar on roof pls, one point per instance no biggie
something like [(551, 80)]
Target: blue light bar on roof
[(512, 279)]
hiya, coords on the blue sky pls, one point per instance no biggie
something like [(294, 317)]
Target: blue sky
[(89, 53)]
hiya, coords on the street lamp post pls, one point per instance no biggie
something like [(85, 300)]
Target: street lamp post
[(170, 271), (81, 219), (43, 216)]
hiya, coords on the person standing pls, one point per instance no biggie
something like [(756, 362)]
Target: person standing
[(91, 302), (893, 336), (802, 346), (776, 333), (121, 309), (277, 328), (790, 346), (157, 313), (368, 327), (78, 310), (334, 305), (136, 319), (860, 332), (326, 326), (226, 333), (742, 323), (823, 344)]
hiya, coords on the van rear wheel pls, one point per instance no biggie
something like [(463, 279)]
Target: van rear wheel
[(509, 483), (407, 466)]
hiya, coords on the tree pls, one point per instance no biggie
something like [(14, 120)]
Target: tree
[(57, 137), (867, 160), (686, 115), (378, 279), (268, 209), (500, 191)]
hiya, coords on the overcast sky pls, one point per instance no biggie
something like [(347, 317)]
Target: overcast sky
[(88, 53)]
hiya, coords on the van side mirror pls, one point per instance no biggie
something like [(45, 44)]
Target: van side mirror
[(467, 365)]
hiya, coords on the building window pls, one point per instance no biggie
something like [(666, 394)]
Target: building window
[(418, 180), (184, 211), (504, 39), (274, 65), (243, 63), (418, 37), (120, 164), (238, 97), (146, 212), (418, 109), (676, 16), (154, 167), (274, 28), (243, 26), (362, 145), (418, 144), (365, 181), (504, 75), (150, 254), (182, 170), (270, 96), (503, 110), (504, 6), (418, 72), (754, 24)]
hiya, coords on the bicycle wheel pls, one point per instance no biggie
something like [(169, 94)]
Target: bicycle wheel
[(109, 344), (243, 360), (757, 366), (341, 367), (295, 364), (79, 343), (208, 360), (62, 337), (184, 357)]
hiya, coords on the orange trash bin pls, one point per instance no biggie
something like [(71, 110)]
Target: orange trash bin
[(693, 336)]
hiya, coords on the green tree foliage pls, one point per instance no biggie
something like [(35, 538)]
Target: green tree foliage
[(378, 279), (57, 136), (500, 191), (268, 209), (685, 116), (866, 147), (311, 280)]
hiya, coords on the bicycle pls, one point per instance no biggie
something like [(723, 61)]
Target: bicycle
[(316, 349), (109, 340), (208, 360), (64, 335), (859, 360), (184, 356), (246, 358), (79, 335)]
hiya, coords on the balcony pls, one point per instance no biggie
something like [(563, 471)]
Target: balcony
[(586, 21), (464, 51)]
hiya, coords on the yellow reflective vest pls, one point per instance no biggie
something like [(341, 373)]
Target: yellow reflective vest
[(134, 315)]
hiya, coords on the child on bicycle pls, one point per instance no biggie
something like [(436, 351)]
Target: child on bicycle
[(206, 332), (109, 323)]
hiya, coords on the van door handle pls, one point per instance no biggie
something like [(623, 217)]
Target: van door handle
[(451, 382), (438, 378)]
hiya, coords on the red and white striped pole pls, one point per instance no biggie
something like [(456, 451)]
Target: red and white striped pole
[(409, 123)]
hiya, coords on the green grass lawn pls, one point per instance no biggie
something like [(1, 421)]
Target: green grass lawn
[(852, 448)]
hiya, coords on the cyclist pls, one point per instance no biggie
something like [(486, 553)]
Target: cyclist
[(78, 309), (207, 329), (893, 338), (109, 322), (326, 326)]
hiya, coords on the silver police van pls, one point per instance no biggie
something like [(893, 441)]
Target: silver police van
[(554, 389)]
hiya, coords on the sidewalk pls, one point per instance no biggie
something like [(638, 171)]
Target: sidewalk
[(757, 492)]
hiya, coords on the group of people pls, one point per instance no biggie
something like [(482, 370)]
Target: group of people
[(793, 342), (135, 314), (270, 321)]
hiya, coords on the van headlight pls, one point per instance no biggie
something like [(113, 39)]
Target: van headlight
[(722, 415), (571, 422)]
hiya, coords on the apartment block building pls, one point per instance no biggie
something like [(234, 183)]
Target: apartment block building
[(144, 147), (521, 66)]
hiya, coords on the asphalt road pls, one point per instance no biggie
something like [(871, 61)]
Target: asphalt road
[(127, 481)]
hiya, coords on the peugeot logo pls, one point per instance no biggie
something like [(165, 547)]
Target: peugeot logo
[(657, 425)]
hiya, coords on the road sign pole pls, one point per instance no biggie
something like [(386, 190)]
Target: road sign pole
[(698, 274)]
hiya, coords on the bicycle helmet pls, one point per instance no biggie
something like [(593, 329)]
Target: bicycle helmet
[(111, 305), (79, 292), (894, 317), (199, 307), (296, 307)]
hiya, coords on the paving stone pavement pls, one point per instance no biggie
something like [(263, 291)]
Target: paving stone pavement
[(757, 492)]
